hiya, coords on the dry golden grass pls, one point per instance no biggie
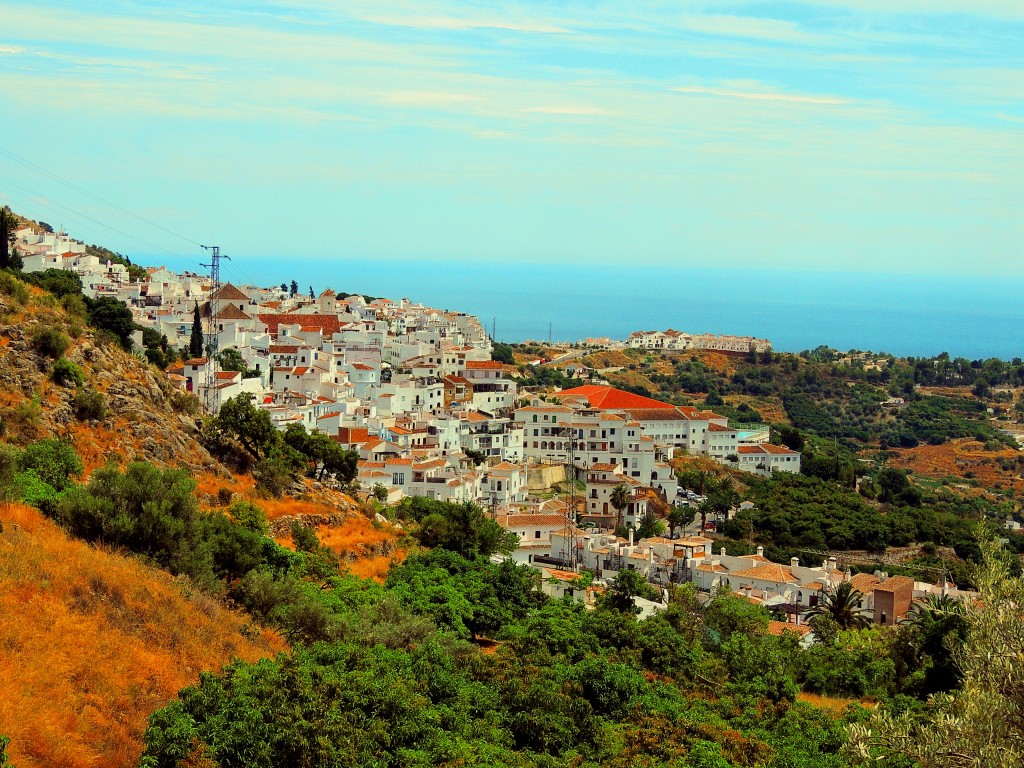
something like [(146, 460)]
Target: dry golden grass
[(93, 642), (956, 458), (833, 706), (357, 534)]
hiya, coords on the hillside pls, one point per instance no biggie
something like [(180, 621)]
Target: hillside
[(94, 641), (144, 419)]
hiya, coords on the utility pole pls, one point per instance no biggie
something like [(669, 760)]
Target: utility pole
[(212, 398)]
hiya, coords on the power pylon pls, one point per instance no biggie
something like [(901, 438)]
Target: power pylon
[(211, 398)]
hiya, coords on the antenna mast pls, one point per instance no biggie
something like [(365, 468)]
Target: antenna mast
[(572, 556), (212, 398)]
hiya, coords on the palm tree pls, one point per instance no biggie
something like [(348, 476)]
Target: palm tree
[(680, 517), (621, 496), (843, 605), (934, 608)]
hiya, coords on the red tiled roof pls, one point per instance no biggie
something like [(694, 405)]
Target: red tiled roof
[(289, 349), (767, 448), (768, 572), (778, 627), (231, 312), (610, 398), (231, 293), (328, 324), (488, 365), (196, 361)]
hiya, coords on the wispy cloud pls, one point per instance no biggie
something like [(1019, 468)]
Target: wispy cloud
[(569, 109), (791, 98)]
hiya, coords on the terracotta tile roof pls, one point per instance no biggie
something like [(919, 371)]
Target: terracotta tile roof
[(513, 521), (231, 312), (719, 428), (768, 572), (231, 293), (709, 568), (362, 366), (484, 365), (228, 375), (777, 628), (327, 324), (865, 583), (329, 415), (610, 398), (894, 583), (767, 449), (196, 361), (289, 349)]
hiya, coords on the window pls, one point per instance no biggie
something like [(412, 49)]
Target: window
[(536, 534), (535, 420)]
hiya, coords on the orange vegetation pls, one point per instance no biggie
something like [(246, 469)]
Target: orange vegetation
[(958, 457), (355, 537), (97, 446), (832, 706), (94, 642)]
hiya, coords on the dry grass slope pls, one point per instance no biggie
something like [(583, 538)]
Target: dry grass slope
[(92, 642)]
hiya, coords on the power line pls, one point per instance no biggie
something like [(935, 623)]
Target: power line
[(94, 196), (50, 203)]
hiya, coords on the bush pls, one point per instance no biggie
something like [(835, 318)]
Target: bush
[(185, 402), (54, 461), (49, 342), (66, 372), (113, 316), (274, 473), (13, 287), (90, 405), (31, 489)]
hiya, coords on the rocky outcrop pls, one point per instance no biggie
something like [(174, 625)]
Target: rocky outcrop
[(145, 419)]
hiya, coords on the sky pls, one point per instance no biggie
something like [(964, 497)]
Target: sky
[(846, 135)]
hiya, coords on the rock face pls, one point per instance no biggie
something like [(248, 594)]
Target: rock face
[(145, 419)]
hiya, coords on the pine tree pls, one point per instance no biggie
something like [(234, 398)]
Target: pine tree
[(195, 342), (9, 258)]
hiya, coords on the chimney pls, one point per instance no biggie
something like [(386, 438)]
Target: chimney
[(631, 537), (650, 559), (760, 551), (747, 589), (831, 565), (721, 552), (794, 562)]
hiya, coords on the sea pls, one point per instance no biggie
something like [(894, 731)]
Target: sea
[(974, 317)]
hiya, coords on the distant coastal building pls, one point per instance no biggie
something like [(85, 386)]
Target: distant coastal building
[(678, 341)]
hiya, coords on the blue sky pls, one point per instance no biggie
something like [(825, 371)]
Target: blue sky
[(853, 135)]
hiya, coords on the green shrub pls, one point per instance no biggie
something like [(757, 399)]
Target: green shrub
[(49, 342), (90, 405), (66, 372), (31, 489), (54, 461), (13, 287), (185, 402)]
